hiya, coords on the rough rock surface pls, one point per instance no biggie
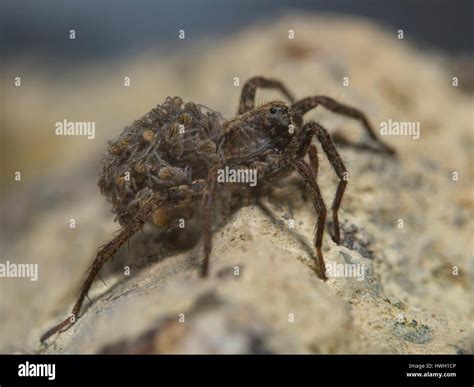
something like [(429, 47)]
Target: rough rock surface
[(263, 295)]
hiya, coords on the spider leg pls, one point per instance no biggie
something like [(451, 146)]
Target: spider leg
[(307, 173), (104, 254), (206, 205), (306, 104), (313, 159), (301, 144), (247, 98), (314, 163), (335, 159)]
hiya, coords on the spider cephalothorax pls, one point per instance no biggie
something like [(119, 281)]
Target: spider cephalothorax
[(169, 161)]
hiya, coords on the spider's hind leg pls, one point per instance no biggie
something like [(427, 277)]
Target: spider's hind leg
[(207, 207), (104, 254)]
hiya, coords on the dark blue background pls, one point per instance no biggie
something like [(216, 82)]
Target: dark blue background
[(110, 28)]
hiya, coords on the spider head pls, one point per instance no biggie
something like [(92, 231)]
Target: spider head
[(274, 118), (279, 115)]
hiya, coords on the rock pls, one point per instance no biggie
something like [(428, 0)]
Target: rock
[(401, 281)]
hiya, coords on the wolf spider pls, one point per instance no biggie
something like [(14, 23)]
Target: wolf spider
[(173, 155)]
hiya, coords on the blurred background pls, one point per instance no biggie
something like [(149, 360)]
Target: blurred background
[(112, 28)]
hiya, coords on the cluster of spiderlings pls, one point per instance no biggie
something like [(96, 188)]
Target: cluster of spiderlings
[(171, 145)]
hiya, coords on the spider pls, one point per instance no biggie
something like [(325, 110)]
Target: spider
[(167, 163)]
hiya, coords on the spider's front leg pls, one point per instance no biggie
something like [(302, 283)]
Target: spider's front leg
[(308, 175), (104, 254), (313, 159), (247, 98), (301, 144), (335, 159), (306, 104)]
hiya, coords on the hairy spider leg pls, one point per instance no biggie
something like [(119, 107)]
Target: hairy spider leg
[(247, 98), (107, 251), (304, 105)]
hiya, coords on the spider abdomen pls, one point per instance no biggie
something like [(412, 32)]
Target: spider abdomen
[(172, 145)]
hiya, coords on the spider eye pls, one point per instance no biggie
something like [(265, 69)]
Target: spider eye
[(274, 110)]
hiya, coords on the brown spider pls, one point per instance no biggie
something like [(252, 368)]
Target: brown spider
[(166, 162)]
